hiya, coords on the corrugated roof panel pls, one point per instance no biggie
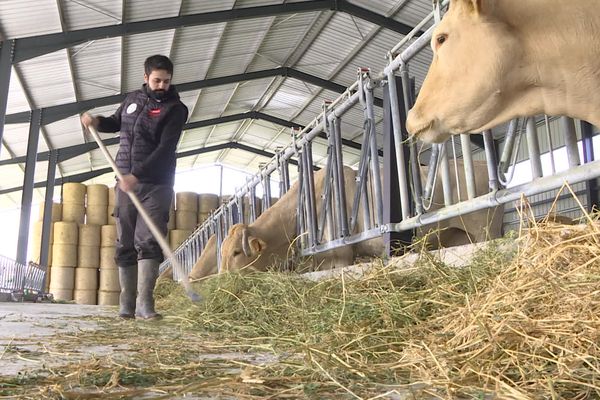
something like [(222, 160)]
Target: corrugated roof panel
[(47, 79), (97, 68), (247, 94), (284, 36), (139, 10), (75, 165), (21, 18), (136, 49), (206, 159), (15, 137), (189, 99), (336, 41), (415, 11), (66, 132), (197, 7), (239, 44), (193, 49), (290, 97), (97, 157), (194, 138), (91, 13), (17, 101), (211, 102)]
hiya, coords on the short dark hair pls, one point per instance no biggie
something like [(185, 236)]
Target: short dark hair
[(158, 61)]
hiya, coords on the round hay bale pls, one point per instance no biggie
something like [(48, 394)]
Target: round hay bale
[(185, 219), (65, 233), (64, 255), (226, 198), (110, 219), (247, 208), (97, 195), (186, 201), (178, 236), (107, 258), (73, 212), (61, 294), (111, 196), (47, 279), (108, 236), (73, 193), (56, 212), (88, 256), (171, 223), (202, 217), (89, 235), (106, 298), (82, 296), (109, 280), (86, 278), (97, 214), (36, 242), (62, 278), (207, 202)]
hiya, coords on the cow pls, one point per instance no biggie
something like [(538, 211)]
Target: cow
[(495, 60), (268, 241)]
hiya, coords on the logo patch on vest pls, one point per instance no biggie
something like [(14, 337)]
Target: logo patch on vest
[(131, 108), (155, 112)]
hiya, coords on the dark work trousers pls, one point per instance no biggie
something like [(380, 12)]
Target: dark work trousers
[(134, 239)]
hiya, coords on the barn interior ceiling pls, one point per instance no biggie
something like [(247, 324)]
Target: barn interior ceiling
[(248, 70)]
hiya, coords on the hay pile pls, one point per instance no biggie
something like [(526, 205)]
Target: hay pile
[(521, 322)]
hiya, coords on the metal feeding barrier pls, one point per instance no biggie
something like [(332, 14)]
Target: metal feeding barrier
[(21, 281)]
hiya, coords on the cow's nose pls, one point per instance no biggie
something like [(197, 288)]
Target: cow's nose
[(412, 122)]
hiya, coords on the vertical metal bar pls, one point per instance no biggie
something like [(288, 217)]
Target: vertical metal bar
[(490, 155), (221, 183), (568, 126), (398, 140), (324, 218), (550, 146), (465, 144), (376, 181), (591, 187), (266, 203), (27, 194), (533, 146), (252, 213), (219, 233), (309, 191), (431, 173), (414, 153), (47, 224), (340, 190), (6, 59), (509, 146), (445, 172), (300, 208)]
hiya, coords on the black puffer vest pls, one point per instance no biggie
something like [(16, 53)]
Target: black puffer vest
[(149, 132)]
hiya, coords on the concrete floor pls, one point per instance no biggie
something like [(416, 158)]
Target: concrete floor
[(24, 327)]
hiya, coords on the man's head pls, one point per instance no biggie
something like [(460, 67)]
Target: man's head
[(158, 71)]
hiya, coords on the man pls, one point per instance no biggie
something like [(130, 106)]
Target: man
[(150, 121)]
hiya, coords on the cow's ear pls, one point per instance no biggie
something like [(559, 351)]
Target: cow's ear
[(477, 6), (257, 245)]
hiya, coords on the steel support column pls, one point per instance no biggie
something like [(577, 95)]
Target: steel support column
[(6, 58), (27, 195), (591, 187), (47, 225)]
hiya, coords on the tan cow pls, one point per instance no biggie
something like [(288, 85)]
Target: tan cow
[(267, 241), (495, 60)]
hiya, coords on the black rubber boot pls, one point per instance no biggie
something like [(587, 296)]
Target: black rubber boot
[(128, 279), (147, 275)]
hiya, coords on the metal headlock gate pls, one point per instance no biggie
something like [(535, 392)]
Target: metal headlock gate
[(333, 225)]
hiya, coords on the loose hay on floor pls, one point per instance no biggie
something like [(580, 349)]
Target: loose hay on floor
[(521, 325)]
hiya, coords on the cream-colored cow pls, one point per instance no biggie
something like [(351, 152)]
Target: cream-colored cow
[(495, 60)]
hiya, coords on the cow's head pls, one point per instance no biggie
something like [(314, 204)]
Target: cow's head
[(241, 250), (474, 74), (207, 263)]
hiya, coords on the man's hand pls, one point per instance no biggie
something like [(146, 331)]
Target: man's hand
[(128, 183), (88, 120)]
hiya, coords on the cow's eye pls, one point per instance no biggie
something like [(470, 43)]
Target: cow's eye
[(441, 39), (236, 253)]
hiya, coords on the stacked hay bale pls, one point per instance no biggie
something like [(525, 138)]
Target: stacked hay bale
[(207, 202), (64, 260), (97, 205), (109, 288), (186, 217), (110, 219), (88, 262), (73, 202), (248, 209)]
